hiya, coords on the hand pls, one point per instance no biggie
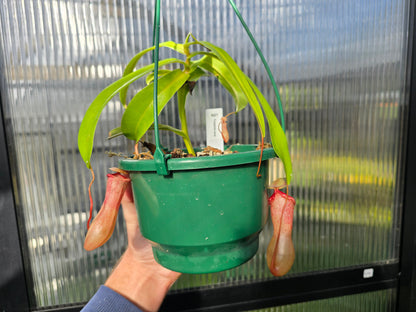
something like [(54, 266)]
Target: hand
[(138, 246), (138, 277)]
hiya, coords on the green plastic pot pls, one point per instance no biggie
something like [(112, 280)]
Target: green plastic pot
[(206, 215)]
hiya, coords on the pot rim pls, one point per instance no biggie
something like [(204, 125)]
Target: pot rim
[(246, 154)]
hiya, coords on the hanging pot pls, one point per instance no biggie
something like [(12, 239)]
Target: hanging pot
[(206, 215)]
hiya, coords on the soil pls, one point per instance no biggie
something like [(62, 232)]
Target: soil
[(179, 153)]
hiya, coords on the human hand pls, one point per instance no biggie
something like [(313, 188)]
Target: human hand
[(138, 246), (138, 277)]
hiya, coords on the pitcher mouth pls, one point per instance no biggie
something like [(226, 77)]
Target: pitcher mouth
[(244, 154)]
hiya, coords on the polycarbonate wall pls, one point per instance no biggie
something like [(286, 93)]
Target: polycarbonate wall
[(340, 67)]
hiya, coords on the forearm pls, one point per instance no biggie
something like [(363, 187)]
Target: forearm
[(139, 282)]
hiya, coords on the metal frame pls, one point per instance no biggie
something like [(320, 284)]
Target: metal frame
[(276, 292), (407, 286), (15, 289)]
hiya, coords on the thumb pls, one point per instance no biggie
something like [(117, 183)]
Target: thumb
[(136, 242), (129, 209), (130, 213)]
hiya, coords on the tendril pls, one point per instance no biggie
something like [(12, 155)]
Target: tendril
[(90, 196)]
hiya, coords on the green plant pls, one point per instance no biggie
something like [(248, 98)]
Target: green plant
[(200, 58)]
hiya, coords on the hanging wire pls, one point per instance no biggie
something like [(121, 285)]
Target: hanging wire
[(156, 34), (160, 158), (266, 66)]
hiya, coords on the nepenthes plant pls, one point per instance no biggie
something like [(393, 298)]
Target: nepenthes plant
[(200, 58), (175, 77)]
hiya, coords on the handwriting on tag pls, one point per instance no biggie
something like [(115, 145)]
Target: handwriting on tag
[(213, 118)]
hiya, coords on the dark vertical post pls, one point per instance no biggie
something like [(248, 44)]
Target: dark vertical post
[(407, 285), (13, 287)]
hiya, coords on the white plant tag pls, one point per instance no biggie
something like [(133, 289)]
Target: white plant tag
[(213, 119)]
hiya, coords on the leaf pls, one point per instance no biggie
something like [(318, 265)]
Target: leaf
[(114, 133), (220, 70), (138, 116), (277, 134), (196, 53), (254, 96), (89, 123), (196, 74), (178, 47), (241, 79), (160, 73), (169, 128)]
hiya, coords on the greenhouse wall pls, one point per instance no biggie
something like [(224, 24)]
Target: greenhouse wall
[(344, 73)]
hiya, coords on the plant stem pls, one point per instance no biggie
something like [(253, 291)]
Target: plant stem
[(181, 96), (188, 59)]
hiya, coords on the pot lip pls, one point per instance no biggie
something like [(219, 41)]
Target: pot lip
[(247, 153)]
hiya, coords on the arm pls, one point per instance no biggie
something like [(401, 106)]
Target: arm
[(107, 300)]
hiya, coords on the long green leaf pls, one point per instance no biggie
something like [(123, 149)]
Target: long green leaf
[(138, 116), (178, 47), (117, 131), (161, 72), (89, 123), (277, 134), (242, 80), (222, 73), (198, 53), (169, 128)]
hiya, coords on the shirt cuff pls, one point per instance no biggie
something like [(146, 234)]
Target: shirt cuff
[(107, 300)]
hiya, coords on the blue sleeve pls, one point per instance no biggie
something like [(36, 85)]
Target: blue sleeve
[(107, 300)]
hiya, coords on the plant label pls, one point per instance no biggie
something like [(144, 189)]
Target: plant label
[(213, 127)]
